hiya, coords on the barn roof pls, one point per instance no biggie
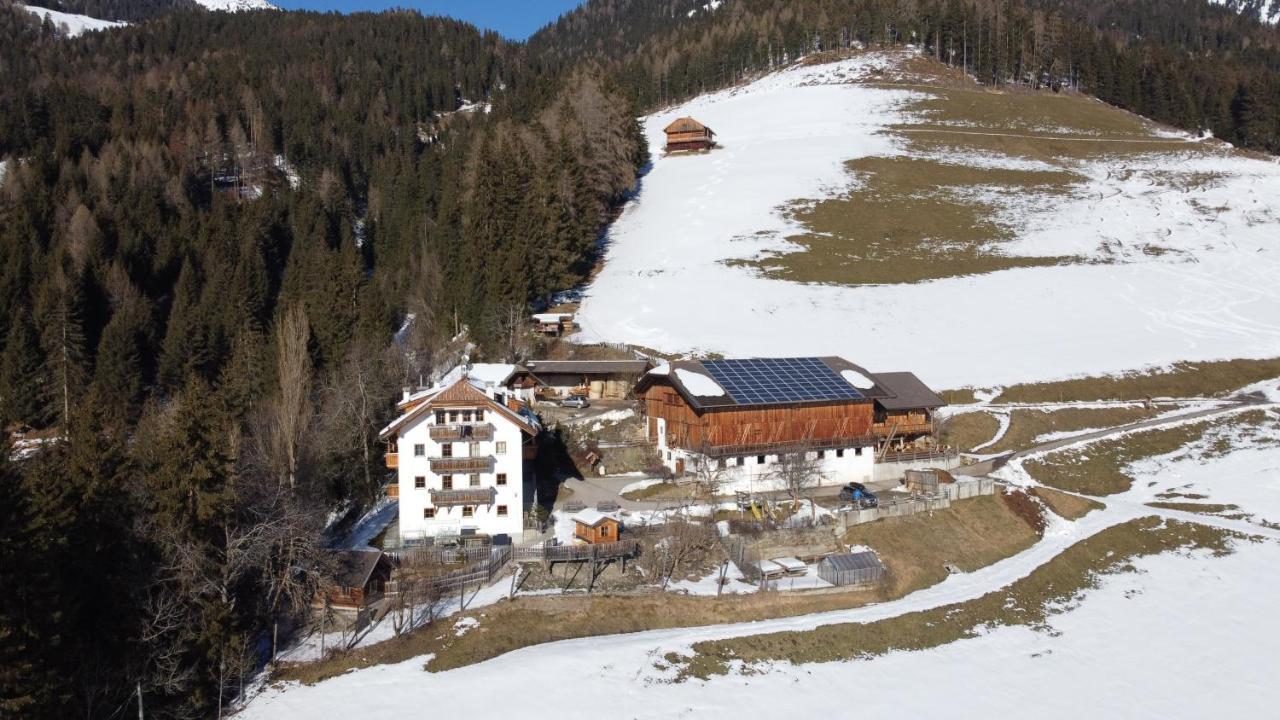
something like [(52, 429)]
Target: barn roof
[(685, 125), (354, 567), (853, 561), (906, 391), (588, 367), (762, 382)]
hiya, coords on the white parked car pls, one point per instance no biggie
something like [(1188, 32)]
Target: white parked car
[(575, 401)]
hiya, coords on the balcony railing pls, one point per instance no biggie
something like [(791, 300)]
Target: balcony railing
[(446, 433), (462, 464), (393, 460), (465, 496)]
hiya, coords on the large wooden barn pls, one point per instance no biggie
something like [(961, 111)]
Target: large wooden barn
[(689, 135), (743, 416)]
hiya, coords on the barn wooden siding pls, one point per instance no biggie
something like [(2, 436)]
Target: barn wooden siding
[(754, 426)]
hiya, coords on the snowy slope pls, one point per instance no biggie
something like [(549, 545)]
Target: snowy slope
[(665, 283), (236, 5), (73, 24), (1267, 11)]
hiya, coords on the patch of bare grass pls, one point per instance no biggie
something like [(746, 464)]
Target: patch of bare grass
[(960, 396), (911, 220), (1202, 379), (1202, 508), (1066, 505), (1026, 425), (968, 430), (661, 491), (1098, 468), (1051, 589), (971, 534)]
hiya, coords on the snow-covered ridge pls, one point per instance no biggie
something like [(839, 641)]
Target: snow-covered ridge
[(71, 24), (236, 5)]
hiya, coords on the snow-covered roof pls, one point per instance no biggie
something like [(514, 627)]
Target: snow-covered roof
[(496, 373), (791, 564), (699, 384), (857, 379), (551, 317), (663, 369), (590, 517)]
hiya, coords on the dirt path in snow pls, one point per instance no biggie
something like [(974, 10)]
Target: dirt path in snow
[(986, 467)]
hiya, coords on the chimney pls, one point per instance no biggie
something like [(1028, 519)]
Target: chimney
[(407, 392)]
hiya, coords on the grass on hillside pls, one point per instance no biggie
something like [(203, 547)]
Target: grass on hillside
[(1026, 425), (968, 430), (971, 533), (910, 220), (1200, 379), (1066, 505), (661, 491), (1098, 468), (1051, 589)]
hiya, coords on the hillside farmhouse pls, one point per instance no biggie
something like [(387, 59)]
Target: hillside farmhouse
[(554, 324), (463, 463), (742, 417), (689, 135)]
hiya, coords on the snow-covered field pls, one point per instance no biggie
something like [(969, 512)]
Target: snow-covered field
[(1126, 649), (74, 24), (665, 282)]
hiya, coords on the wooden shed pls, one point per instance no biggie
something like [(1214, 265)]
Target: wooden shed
[(359, 578), (859, 568), (594, 527), (689, 135)]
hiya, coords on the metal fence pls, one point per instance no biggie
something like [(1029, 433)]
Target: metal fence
[(915, 504), (743, 554)]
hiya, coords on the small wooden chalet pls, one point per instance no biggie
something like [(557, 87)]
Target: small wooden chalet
[(594, 527), (359, 578), (689, 135)]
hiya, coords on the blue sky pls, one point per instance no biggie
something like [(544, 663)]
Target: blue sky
[(516, 19)]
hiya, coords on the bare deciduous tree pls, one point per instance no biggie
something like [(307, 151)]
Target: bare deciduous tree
[(798, 472), (292, 408)]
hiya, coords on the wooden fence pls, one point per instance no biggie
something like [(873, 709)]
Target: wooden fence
[(482, 572), (439, 556), (574, 553)]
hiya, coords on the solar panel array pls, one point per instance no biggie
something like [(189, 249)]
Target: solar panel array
[(765, 381)]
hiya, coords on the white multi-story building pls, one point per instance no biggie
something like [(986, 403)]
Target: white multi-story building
[(461, 458)]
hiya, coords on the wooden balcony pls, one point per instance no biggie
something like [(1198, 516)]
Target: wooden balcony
[(465, 496), (449, 465), (900, 427), (393, 460), (449, 433)]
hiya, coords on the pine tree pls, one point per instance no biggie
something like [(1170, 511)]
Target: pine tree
[(22, 376)]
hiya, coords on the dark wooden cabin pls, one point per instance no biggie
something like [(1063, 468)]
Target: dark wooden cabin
[(689, 135), (797, 403), (359, 579)]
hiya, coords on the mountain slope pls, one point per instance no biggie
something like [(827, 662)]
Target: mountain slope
[(882, 205), (1188, 63)]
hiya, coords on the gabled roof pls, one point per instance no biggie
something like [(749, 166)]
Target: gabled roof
[(685, 125), (354, 567), (591, 517), (907, 392), (499, 374), (853, 561), (811, 381), (459, 394)]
